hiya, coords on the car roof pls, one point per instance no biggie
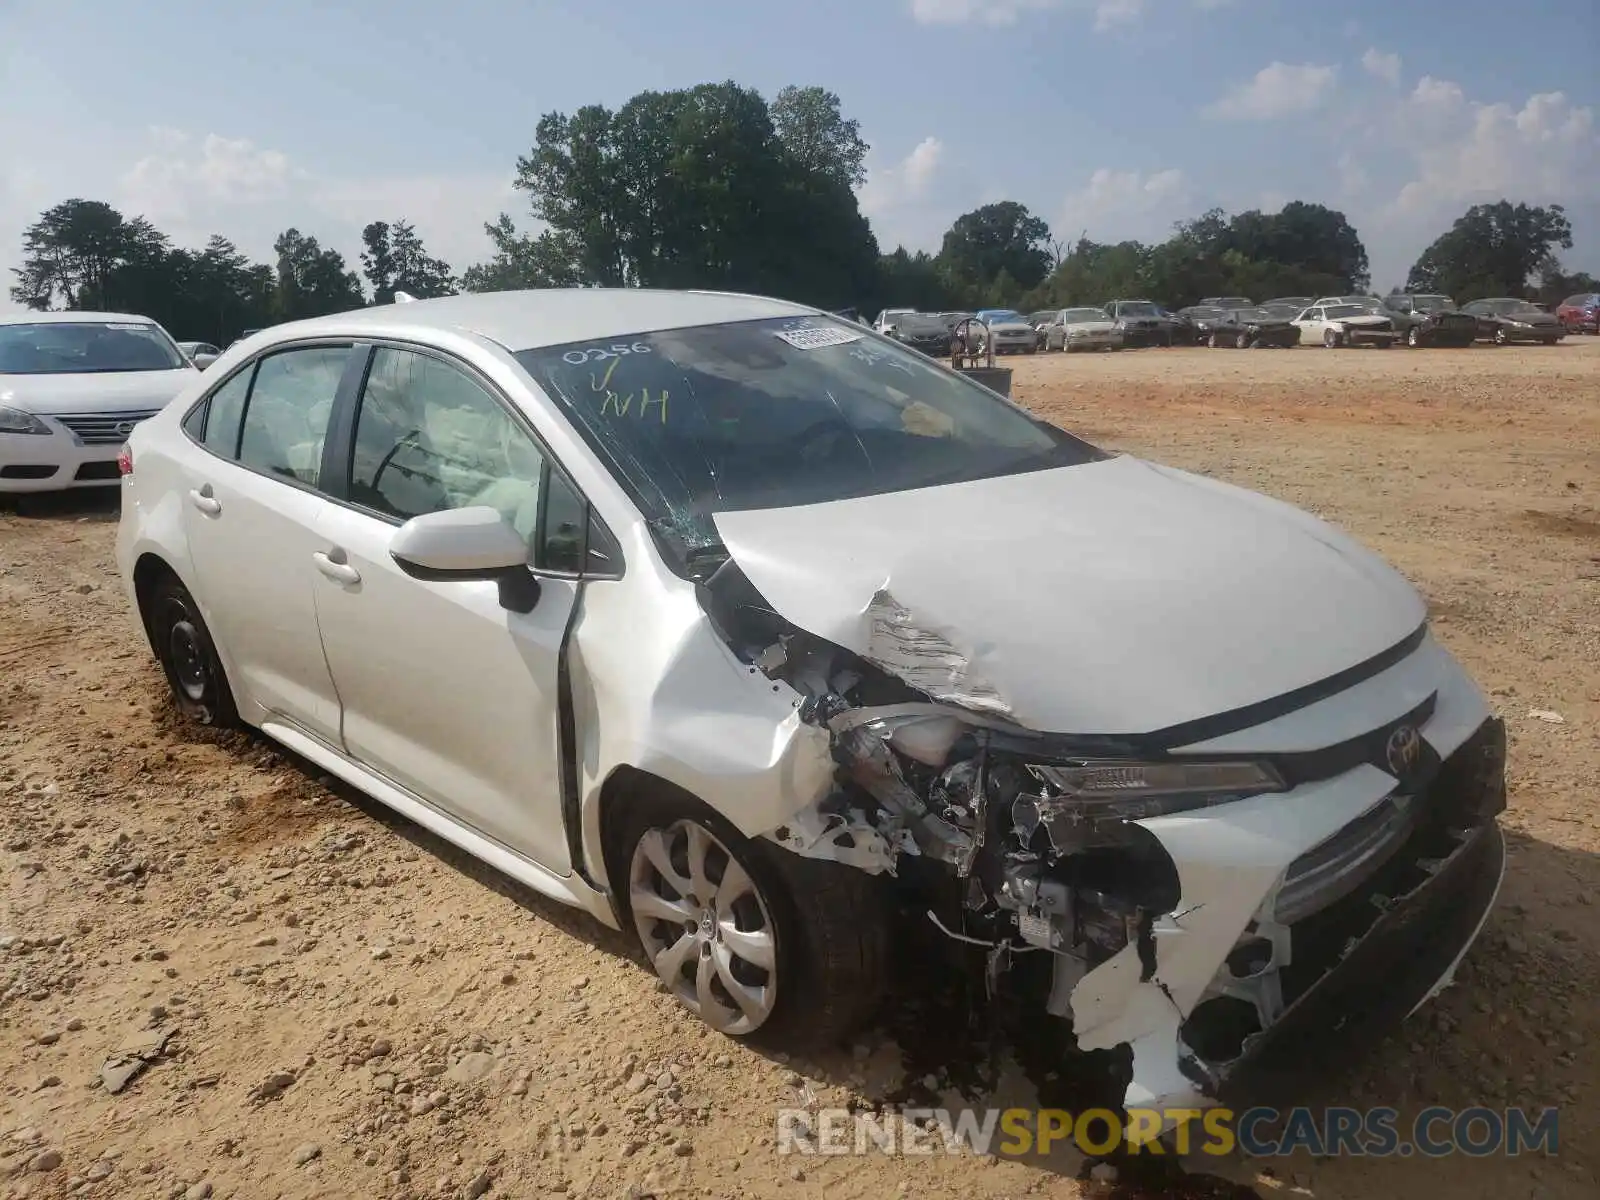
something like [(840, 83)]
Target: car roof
[(69, 317), (530, 320)]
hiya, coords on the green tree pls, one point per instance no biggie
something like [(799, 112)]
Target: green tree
[(995, 238), (817, 137), (311, 282), (1493, 250), (1305, 240), (70, 251), (522, 262), (395, 260), (692, 188)]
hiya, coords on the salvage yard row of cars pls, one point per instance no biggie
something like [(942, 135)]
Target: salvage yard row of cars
[(1236, 322), (701, 666)]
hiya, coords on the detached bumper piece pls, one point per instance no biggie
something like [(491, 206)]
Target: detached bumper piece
[(1355, 969)]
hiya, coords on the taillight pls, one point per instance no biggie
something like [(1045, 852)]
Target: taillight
[(125, 460)]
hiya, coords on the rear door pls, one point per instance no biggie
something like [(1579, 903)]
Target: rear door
[(446, 693), (251, 507)]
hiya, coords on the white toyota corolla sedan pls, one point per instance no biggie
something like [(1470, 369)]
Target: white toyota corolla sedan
[(72, 387), (759, 634)]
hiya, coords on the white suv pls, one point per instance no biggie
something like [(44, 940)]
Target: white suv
[(739, 625)]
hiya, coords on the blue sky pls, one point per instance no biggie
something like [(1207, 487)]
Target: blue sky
[(1112, 116)]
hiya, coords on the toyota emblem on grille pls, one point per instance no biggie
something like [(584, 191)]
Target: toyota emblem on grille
[(125, 427), (1403, 751)]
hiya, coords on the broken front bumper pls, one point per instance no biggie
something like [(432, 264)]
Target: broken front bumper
[(1332, 917)]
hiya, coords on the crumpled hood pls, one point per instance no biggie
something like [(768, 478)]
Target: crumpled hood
[(1362, 319), (95, 391), (1115, 597)]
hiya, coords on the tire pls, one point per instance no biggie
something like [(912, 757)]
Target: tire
[(1414, 338), (1241, 341), (1550, 341), (1384, 343), (1500, 338), (1332, 339), (1213, 342), (188, 656), (827, 927)]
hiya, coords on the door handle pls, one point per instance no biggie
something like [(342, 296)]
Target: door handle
[(334, 566), (204, 500)]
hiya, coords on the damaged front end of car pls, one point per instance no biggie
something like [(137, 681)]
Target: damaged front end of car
[(1219, 913)]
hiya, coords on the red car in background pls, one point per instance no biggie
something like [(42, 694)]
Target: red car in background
[(1580, 313)]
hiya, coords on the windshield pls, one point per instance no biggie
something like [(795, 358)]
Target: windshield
[(1517, 306), (780, 412), (1432, 303), (995, 316), (1255, 313), (1074, 315), (77, 347), (1138, 308), (1348, 310), (920, 323)]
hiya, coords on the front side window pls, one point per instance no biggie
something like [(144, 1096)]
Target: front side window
[(429, 437), (86, 347), (779, 412), (286, 415)]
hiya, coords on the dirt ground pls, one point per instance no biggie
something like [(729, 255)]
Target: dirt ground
[(333, 1004)]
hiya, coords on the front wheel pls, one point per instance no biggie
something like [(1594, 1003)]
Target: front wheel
[(719, 918), (1500, 338), (189, 657), (1331, 339), (1242, 341), (1213, 342), (1413, 337)]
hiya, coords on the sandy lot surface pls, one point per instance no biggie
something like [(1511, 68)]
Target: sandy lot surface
[(333, 1004)]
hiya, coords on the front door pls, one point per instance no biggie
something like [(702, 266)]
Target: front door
[(251, 509), (445, 692)]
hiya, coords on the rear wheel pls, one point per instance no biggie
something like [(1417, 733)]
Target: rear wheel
[(1242, 341), (1500, 338), (719, 918), (188, 656), (1414, 337), (1213, 342), (1332, 339)]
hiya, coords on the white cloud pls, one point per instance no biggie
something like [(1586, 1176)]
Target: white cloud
[(898, 196), (1466, 152), (1106, 14), (190, 186), (1353, 177), (1114, 205), (1277, 90), (1382, 66)]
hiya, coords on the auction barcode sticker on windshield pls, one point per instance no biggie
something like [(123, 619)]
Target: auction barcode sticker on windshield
[(815, 337)]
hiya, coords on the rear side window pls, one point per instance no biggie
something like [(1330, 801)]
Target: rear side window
[(286, 416), (222, 414)]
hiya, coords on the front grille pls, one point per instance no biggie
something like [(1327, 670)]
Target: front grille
[(1346, 860), (105, 429)]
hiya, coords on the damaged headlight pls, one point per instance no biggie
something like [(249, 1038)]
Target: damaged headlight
[(1120, 790)]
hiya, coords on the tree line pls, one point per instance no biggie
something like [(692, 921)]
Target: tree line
[(717, 187)]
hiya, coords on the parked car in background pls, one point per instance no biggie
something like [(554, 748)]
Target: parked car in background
[(1432, 320), (1245, 328), (201, 354), (1202, 318), (1141, 322), (1298, 303), (1580, 313), (1227, 302), (1008, 331), (1506, 319), (1337, 324), (926, 332), (1074, 329), (886, 319), (850, 642), (73, 386), (1287, 311)]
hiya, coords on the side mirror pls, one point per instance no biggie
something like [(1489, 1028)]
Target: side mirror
[(463, 544), (202, 361)]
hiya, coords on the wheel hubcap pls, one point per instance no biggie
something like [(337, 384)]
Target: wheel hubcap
[(705, 927), (188, 660)]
